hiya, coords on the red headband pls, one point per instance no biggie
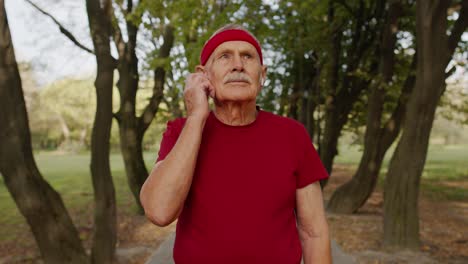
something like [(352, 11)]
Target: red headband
[(228, 35)]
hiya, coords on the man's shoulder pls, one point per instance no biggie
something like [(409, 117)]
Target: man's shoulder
[(283, 121)]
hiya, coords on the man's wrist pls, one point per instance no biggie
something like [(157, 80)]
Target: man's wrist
[(196, 119)]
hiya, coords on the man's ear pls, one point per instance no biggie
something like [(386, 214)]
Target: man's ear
[(200, 69)]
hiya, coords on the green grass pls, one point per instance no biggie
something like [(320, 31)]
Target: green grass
[(444, 163), (69, 175), (439, 192)]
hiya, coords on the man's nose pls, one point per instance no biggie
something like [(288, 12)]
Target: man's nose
[(238, 64)]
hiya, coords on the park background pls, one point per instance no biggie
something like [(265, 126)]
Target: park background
[(348, 70)]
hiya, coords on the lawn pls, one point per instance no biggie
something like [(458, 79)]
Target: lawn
[(445, 174), (69, 175)]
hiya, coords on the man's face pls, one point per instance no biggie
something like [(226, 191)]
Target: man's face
[(235, 71)]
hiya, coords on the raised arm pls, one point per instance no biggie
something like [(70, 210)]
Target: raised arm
[(164, 192)]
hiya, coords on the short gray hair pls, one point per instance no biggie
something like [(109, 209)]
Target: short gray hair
[(233, 26)]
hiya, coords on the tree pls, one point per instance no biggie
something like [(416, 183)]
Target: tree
[(132, 127), (349, 197), (125, 23), (105, 237), (350, 66), (29, 83), (301, 54), (39, 203), (380, 135), (63, 111), (434, 51)]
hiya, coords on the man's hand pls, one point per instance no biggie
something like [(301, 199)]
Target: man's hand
[(197, 89), (164, 192)]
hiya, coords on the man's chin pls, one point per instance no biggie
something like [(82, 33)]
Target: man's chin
[(236, 98)]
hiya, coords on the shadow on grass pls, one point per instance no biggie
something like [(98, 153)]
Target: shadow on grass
[(437, 190)]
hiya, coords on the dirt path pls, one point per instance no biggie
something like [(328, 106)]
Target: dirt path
[(443, 229), (444, 233)]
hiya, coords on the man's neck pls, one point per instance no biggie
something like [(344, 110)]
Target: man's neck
[(236, 114)]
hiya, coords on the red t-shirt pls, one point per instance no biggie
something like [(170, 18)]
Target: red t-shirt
[(241, 204)]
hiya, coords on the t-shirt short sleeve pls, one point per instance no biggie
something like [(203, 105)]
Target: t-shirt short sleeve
[(310, 168), (170, 137)]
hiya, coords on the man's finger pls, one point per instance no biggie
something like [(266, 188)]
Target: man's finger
[(208, 88)]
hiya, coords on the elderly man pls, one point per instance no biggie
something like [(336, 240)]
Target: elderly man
[(242, 182)]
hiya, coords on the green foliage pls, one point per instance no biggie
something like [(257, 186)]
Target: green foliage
[(70, 104), (296, 41), (74, 100), (62, 111), (404, 51), (454, 103), (62, 115)]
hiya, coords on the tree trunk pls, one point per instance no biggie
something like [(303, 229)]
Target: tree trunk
[(144, 121), (315, 117), (105, 234), (133, 128), (297, 86), (293, 101), (64, 127), (336, 117), (341, 99), (283, 101), (349, 197), (130, 142), (327, 149), (38, 202), (82, 142), (401, 221), (309, 80), (310, 119), (309, 103)]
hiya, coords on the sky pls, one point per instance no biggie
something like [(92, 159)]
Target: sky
[(38, 40)]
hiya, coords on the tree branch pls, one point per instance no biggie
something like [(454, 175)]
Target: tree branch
[(117, 35), (451, 71), (63, 30), (460, 26), (159, 78), (447, 74), (392, 126)]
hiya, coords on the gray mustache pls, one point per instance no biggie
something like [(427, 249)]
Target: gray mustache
[(237, 77)]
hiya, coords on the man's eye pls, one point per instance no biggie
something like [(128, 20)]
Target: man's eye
[(247, 56), (224, 56)]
